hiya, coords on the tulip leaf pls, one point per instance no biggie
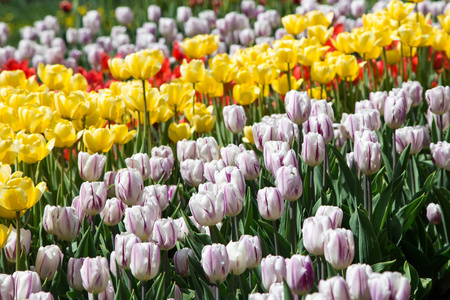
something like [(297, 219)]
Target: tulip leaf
[(417, 258), (382, 266), (230, 288), (287, 291), (412, 276), (72, 295), (158, 288), (408, 213), (86, 246), (443, 196), (284, 245), (243, 285), (366, 243)]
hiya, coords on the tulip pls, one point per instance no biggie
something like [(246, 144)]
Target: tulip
[(74, 273), (364, 105), (231, 175), (313, 149), (108, 180), (124, 15), (63, 132), (254, 251), (289, 183), (237, 253), (440, 154), (231, 198), (181, 261), (98, 140), (294, 24), (55, 77), (121, 134), (299, 274), (368, 157), (208, 149), (93, 197), (334, 213), (313, 230), (48, 260), (273, 269), (365, 135), (389, 283), (142, 65), (270, 203), (320, 124), (357, 278), (395, 111), (215, 263), (192, 171), (159, 195), (154, 13), (123, 244), (62, 222), (434, 214), (4, 234), (194, 71), (211, 168), (107, 294), (33, 147), (113, 212), (229, 154), (339, 248), (245, 94), (206, 208), (161, 168), (140, 220), (347, 67), (25, 284), (90, 167), (95, 274), (334, 288), (9, 150), (186, 150), (248, 163), (165, 233), (234, 118), (119, 69), (11, 243), (6, 287), (409, 136), (129, 186), (413, 91), (35, 119)]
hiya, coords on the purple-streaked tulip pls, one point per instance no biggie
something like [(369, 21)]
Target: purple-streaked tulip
[(158, 194), (247, 37), (160, 166), (438, 99), (76, 204), (183, 14), (237, 254), (434, 214), (413, 91), (409, 136), (433, 117), (357, 278), (74, 273), (389, 283), (340, 139), (298, 106), (366, 135), (299, 274), (192, 171), (272, 147), (11, 241), (92, 21), (145, 261), (208, 187), (140, 220), (129, 186), (140, 162), (333, 212), (61, 221), (154, 13), (357, 8), (211, 168), (186, 150), (262, 133), (280, 158), (93, 197), (262, 28), (248, 163), (48, 260), (91, 167), (440, 155), (95, 274), (395, 111), (270, 203), (6, 287), (316, 296), (231, 198), (259, 296), (208, 149), (334, 288), (313, 149), (313, 231), (320, 124), (215, 263), (231, 175), (167, 27), (181, 261), (322, 107), (339, 247), (209, 16), (206, 208), (124, 15), (123, 244), (25, 284), (108, 180), (164, 151), (165, 233), (248, 8), (367, 156), (273, 269), (254, 250), (276, 291), (378, 99), (41, 296), (183, 230), (113, 212), (364, 104), (289, 183), (107, 294), (229, 154)]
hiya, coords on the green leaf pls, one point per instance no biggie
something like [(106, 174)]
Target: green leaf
[(86, 246), (366, 241), (412, 276), (382, 266), (287, 291), (441, 258), (408, 213)]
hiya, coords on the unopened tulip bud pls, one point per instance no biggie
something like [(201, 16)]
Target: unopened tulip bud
[(62, 222), (211, 168), (140, 162), (409, 136), (11, 242), (41, 296), (91, 167), (440, 155), (95, 274), (192, 171), (208, 149), (186, 150), (145, 261), (237, 254), (129, 186), (364, 104), (434, 214), (164, 151), (334, 288), (248, 163), (113, 212), (215, 263), (333, 212), (298, 106), (339, 248), (272, 147), (160, 167), (280, 158), (206, 208), (74, 273), (248, 8), (231, 198), (181, 261), (165, 233), (183, 14), (108, 180), (395, 111), (25, 284), (6, 287), (273, 269), (357, 278), (93, 197), (366, 135), (123, 244), (158, 194), (154, 13), (322, 107), (254, 251), (289, 183), (320, 124), (140, 220), (234, 118), (270, 203), (313, 149), (389, 283), (107, 294), (368, 157), (229, 154), (48, 260), (300, 274), (231, 175), (358, 8), (378, 99), (313, 231), (413, 91), (438, 99)]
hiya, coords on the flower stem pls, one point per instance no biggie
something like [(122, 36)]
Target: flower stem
[(235, 228), (145, 120), (292, 229), (289, 77), (275, 236), (394, 152), (217, 296), (143, 290), (18, 245), (311, 189)]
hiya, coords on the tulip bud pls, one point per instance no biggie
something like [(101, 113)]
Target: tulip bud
[(211, 168), (319, 107), (389, 283), (272, 147), (183, 14), (123, 244), (363, 105), (113, 212), (440, 155), (154, 13), (192, 171), (215, 263), (409, 136), (145, 261), (186, 150), (247, 37), (413, 91), (6, 287), (395, 111), (231, 198), (25, 284), (313, 149), (140, 220), (124, 15), (298, 106), (107, 294), (165, 233), (74, 273), (365, 135), (263, 133), (182, 228), (313, 231), (299, 274), (237, 254), (231, 175), (11, 241), (339, 248), (158, 194), (48, 260), (367, 157), (234, 118), (91, 167), (320, 124), (357, 278), (163, 151), (93, 197), (280, 158), (181, 261), (270, 203), (334, 288), (248, 163), (248, 8), (438, 99), (289, 183), (357, 8), (434, 214), (208, 149), (140, 162), (254, 251), (333, 212), (76, 204), (273, 269), (108, 180), (95, 274), (259, 296), (129, 186), (206, 208), (62, 222), (378, 99), (229, 154), (160, 166)]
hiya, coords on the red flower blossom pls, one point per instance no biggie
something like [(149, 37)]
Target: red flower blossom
[(65, 6), (12, 65)]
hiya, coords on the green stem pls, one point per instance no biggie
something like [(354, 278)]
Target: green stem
[(289, 77), (145, 119), (275, 236), (18, 245)]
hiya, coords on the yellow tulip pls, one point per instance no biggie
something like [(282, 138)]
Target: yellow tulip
[(374, 54), (155, 53), (163, 113), (280, 85), (344, 42), (110, 107), (119, 69), (142, 65), (55, 77), (265, 73), (347, 67), (322, 72), (91, 120), (20, 194), (179, 132), (5, 173), (440, 40), (203, 123), (43, 99), (77, 82), (392, 56), (33, 147), (6, 132), (317, 93), (63, 132), (35, 119), (311, 54), (364, 42), (200, 45), (200, 109), (177, 96), (194, 71), (134, 97), (398, 10), (294, 24), (18, 100), (320, 32), (222, 68), (16, 79), (9, 149), (244, 76), (116, 87), (72, 106), (409, 35), (316, 17), (408, 51), (121, 134), (99, 139), (4, 234), (284, 58), (32, 85), (245, 94), (248, 135), (209, 86), (444, 20), (383, 37)]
